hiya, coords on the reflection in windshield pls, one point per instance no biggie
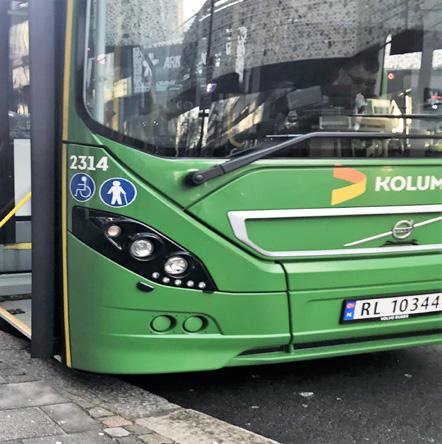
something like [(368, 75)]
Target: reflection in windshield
[(209, 78)]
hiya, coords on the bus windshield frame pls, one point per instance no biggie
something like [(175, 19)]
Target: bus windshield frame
[(203, 110)]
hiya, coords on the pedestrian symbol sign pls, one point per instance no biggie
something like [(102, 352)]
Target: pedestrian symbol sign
[(117, 192), (82, 187)]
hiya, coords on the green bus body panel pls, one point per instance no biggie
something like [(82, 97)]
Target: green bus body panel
[(318, 290), (110, 321), (298, 181), (231, 268), (311, 188), (425, 269), (320, 352), (261, 305), (278, 235)]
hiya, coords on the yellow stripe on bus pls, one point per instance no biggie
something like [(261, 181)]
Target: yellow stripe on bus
[(66, 83)]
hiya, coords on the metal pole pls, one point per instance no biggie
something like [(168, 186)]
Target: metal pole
[(6, 154), (4, 75), (45, 145)]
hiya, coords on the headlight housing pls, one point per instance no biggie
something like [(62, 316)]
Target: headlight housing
[(141, 249)]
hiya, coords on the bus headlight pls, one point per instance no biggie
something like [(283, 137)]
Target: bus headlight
[(176, 266), (141, 249), (113, 231)]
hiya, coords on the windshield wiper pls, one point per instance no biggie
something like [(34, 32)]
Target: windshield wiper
[(393, 116), (201, 176)]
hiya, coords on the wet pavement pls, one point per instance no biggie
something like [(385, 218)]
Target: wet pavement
[(390, 397)]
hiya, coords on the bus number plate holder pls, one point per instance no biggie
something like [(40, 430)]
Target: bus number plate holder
[(391, 308)]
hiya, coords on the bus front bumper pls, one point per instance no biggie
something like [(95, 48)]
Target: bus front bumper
[(116, 328)]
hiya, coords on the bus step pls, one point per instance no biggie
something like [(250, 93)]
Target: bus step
[(18, 314), (12, 284)]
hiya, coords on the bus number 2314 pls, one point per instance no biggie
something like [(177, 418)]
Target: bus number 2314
[(88, 163)]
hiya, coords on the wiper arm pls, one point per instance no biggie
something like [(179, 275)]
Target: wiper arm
[(202, 176), (393, 116)]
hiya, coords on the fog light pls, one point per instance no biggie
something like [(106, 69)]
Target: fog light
[(176, 266), (113, 231), (162, 323), (141, 249), (194, 324)]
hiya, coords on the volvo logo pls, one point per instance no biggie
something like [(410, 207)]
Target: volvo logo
[(403, 229)]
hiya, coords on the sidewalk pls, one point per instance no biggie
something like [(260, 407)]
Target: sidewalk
[(43, 402)]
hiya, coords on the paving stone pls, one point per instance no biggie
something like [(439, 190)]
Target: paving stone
[(115, 421), (89, 390), (71, 418), (7, 370), (154, 438), (191, 427), (116, 432), (26, 423), (128, 440), (138, 429), (84, 403), (75, 438), (12, 342), (15, 379), (28, 394), (105, 397), (3, 364), (98, 412)]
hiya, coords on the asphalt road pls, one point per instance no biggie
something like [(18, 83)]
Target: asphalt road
[(391, 397)]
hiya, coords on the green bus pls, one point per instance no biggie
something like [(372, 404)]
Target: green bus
[(234, 182)]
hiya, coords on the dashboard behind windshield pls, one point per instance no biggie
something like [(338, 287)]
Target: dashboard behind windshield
[(195, 78)]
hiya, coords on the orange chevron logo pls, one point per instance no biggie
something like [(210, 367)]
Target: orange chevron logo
[(358, 184)]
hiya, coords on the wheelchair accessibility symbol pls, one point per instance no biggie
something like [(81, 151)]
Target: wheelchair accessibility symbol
[(82, 187), (117, 192)]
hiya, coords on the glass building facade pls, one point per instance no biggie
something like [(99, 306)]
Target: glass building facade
[(15, 149)]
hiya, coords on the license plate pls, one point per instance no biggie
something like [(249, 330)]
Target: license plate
[(391, 308)]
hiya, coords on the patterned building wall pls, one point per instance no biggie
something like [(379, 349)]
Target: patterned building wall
[(263, 32), (143, 22)]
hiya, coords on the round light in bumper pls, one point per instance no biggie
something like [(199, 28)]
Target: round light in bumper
[(141, 249), (176, 266)]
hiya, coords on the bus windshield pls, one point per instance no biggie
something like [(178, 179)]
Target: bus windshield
[(212, 78)]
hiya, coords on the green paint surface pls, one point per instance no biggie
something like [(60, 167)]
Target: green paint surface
[(262, 304)]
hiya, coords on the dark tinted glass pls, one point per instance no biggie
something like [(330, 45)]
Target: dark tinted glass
[(211, 78)]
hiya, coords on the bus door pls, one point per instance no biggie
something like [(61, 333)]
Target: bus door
[(15, 167)]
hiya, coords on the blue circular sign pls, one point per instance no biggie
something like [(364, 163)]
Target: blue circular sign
[(118, 192), (82, 187)]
